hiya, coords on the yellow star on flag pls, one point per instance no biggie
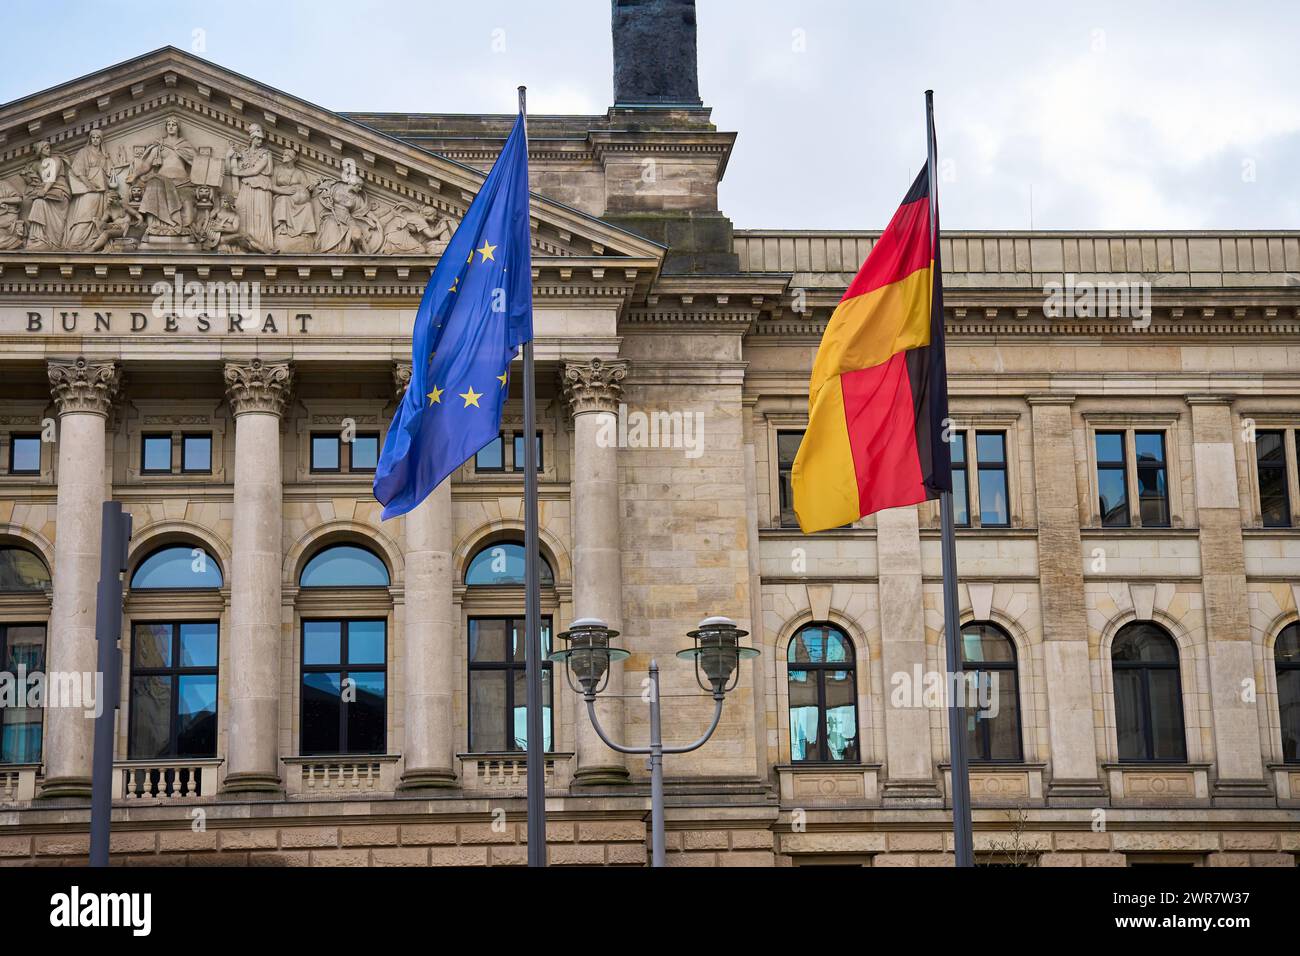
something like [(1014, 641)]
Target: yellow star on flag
[(486, 251), (454, 282), (471, 397), (435, 397), (502, 378)]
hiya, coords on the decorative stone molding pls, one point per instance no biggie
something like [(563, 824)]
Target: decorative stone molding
[(401, 379), (83, 386), (596, 386), (258, 386)]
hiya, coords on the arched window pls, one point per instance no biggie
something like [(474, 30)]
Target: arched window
[(1286, 653), (344, 673), (822, 679), (344, 566), (503, 563), (1148, 694), (21, 570), (993, 718), (177, 567)]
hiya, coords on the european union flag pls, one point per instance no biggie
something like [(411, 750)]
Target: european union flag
[(476, 312)]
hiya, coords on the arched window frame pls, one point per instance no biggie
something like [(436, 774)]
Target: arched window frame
[(1286, 662), (44, 585), (325, 550), (820, 669), (546, 575), (980, 729), (212, 564), (1147, 704)]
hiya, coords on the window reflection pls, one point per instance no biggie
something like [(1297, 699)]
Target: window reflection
[(823, 696)]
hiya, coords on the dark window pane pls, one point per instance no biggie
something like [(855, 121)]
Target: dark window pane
[(20, 570), (1130, 724), (518, 452), (196, 731), (321, 642), (787, 448), (1110, 447), (519, 720), (491, 457), (1153, 495), (1167, 714), (365, 452), (1149, 447), (1274, 496), (1141, 641), (199, 644), (1286, 650), (157, 451), (804, 716), (325, 452), (982, 643), (487, 640), (196, 453), (1003, 729), (958, 448), (503, 563), (365, 714), (990, 448), (993, 496), (321, 697), (1114, 497), (20, 727), (25, 454), (177, 567), (1288, 698), (24, 646), (152, 645), (151, 712), (366, 642), (487, 707), (344, 566)]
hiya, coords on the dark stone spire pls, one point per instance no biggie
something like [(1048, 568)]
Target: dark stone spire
[(654, 53)]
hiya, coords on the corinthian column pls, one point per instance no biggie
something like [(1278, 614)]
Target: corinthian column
[(429, 662), (83, 393), (258, 393), (593, 391)]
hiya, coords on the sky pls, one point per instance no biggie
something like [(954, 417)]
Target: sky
[(1055, 115)]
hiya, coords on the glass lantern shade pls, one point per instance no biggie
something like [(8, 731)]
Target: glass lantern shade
[(589, 654), (717, 653)]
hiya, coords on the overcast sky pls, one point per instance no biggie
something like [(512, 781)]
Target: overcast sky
[(1131, 115)]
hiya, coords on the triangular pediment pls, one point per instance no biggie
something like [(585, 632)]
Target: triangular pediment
[(179, 167)]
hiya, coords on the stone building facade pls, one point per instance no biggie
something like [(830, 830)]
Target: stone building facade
[(207, 289)]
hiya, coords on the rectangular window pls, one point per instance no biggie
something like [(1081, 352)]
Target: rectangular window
[(491, 457), (991, 460), (518, 452), (344, 687), (173, 690), (24, 454), (325, 453), (960, 482), (498, 693), (1112, 484), (1152, 479), (1270, 462), (22, 650), (364, 452), (156, 454), (196, 453), (787, 447)]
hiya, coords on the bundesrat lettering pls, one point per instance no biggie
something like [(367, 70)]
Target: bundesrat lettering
[(136, 322)]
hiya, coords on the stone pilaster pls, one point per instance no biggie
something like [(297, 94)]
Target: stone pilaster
[(1070, 724), (83, 393), (430, 636), (1223, 582), (593, 391), (258, 393), (909, 759)]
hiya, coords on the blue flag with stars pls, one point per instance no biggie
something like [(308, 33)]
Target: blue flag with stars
[(476, 312)]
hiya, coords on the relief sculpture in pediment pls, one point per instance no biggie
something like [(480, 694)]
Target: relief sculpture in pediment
[(174, 189)]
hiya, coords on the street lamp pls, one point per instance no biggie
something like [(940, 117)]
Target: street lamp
[(717, 653)]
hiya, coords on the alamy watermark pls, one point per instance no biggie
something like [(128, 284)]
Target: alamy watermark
[(1089, 299), (653, 429)]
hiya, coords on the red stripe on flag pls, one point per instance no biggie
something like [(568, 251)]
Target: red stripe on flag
[(902, 248), (881, 420)]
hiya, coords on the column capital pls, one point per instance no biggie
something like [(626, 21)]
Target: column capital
[(401, 379), (595, 386), (259, 386), (81, 386)]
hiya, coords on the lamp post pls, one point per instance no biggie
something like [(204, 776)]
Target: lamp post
[(717, 653)]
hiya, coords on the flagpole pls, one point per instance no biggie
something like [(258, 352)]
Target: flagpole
[(957, 743), (532, 599)]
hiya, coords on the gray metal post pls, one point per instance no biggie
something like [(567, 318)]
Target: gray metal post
[(532, 604), (114, 539), (656, 772)]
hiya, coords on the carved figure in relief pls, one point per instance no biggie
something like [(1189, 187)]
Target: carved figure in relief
[(162, 173), (347, 224), (47, 186), (115, 222), (253, 169), (224, 230), (11, 223), (89, 179), (293, 213), (411, 230)]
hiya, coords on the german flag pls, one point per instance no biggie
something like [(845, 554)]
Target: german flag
[(878, 396)]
